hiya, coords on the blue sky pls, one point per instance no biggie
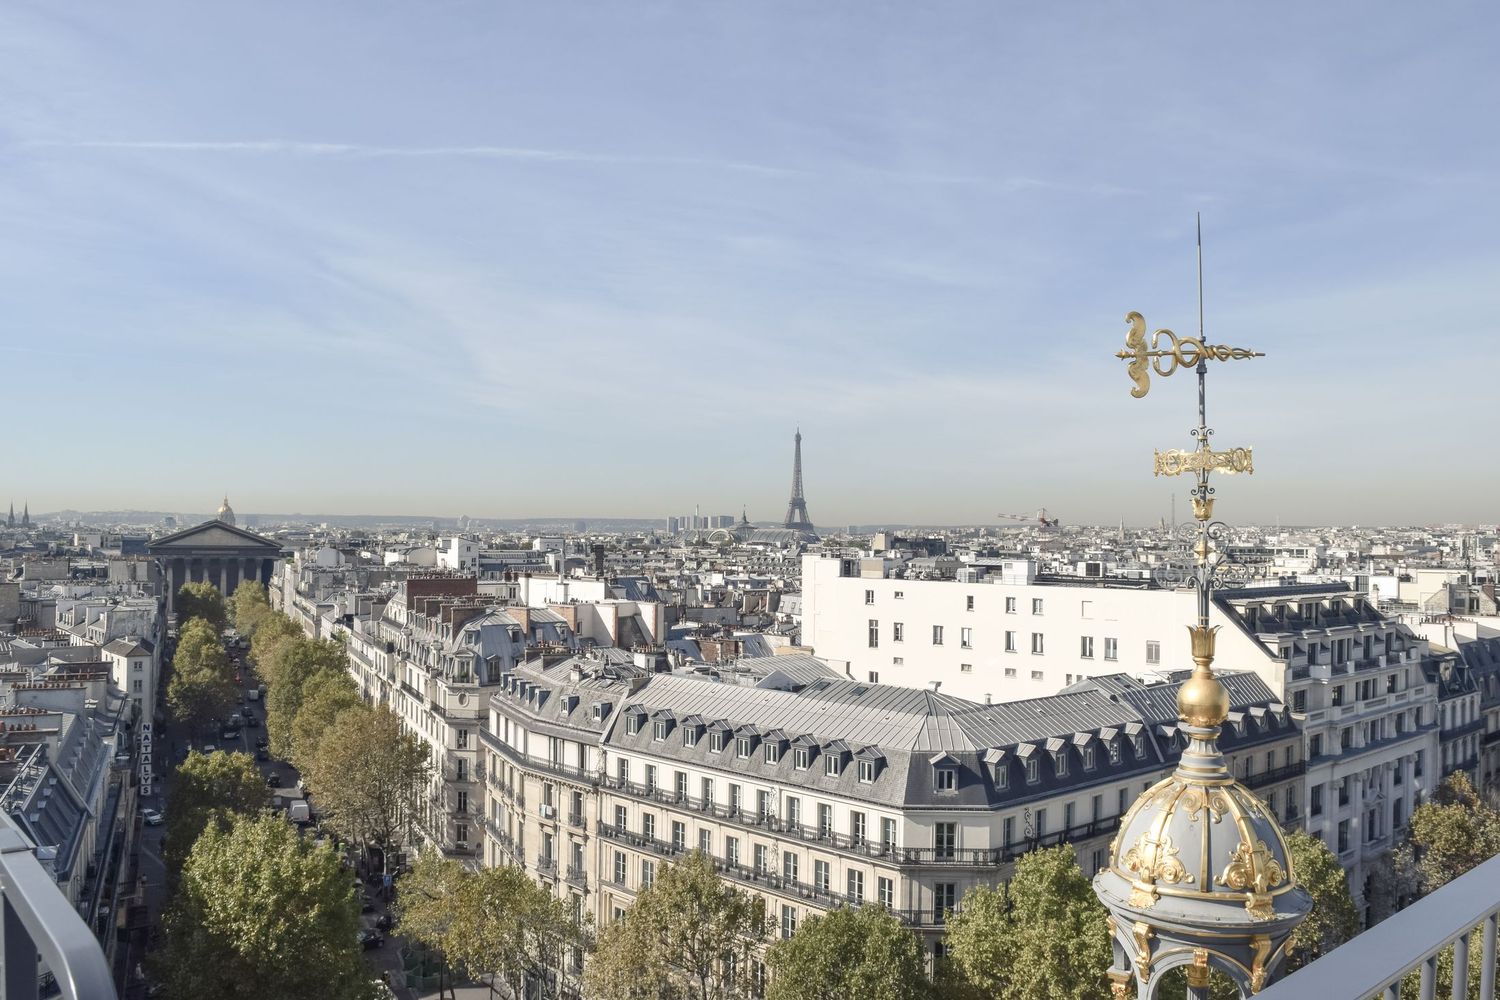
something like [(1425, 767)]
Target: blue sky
[(512, 259)]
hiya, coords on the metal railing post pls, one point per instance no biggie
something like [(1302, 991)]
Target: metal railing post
[(1487, 957), (1460, 989)]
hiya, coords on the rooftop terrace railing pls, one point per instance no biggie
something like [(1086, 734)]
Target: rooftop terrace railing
[(37, 921), (1376, 963)]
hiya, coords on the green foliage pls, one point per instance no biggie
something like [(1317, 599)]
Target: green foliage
[(201, 600), (210, 791), (263, 913), (324, 696), (295, 662), (202, 685), (673, 942), (249, 607), (273, 629), (1454, 833), (849, 953), (1333, 919), (1042, 936), (373, 773)]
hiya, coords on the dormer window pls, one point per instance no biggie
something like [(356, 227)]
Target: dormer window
[(659, 731), (1060, 764), (867, 771), (831, 765), (1140, 745), (716, 742), (1033, 772), (632, 724), (945, 779), (1088, 758), (689, 736), (1002, 776), (773, 753), (1114, 752), (742, 748), (801, 758)]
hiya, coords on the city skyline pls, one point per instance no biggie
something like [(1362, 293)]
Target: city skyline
[(592, 244)]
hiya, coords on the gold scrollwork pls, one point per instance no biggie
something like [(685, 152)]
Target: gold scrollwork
[(1141, 932), (1197, 973), (1178, 352), (1176, 461), (1252, 868), (1261, 946), (1150, 858), (1119, 984), (1195, 800)]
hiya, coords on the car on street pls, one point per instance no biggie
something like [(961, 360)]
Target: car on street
[(251, 722), (229, 734), (383, 922), (210, 748), (151, 817), (261, 753), (368, 939), (272, 781)]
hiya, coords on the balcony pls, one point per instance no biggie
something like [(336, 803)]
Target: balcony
[(577, 876), (39, 923), (1374, 964), (546, 867), (1265, 778)]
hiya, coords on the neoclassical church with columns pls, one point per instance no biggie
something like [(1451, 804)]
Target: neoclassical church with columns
[(215, 551)]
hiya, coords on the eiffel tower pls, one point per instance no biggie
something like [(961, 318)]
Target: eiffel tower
[(796, 510)]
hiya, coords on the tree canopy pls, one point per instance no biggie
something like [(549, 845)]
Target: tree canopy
[(324, 696), (260, 912), (210, 790), (688, 935), (373, 774), (271, 631), (1453, 833), (202, 600), (293, 664), (1042, 936), (1333, 919), (845, 953), (249, 607), (202, 686)]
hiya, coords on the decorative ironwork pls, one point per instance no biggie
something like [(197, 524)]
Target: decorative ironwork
[(1155, 859), (1176, 461), (1179, 352), (1252, 868)]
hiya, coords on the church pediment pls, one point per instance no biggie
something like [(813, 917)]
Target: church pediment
[(213, 535)]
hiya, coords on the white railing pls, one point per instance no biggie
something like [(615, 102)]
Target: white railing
[(1374, 964), (36, 921)]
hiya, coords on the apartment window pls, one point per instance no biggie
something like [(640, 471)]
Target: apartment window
[(1343, 835), (689, 736), (1315, 801), (1344, 790), (867, 771), (681, 785), (659, 732), (648, 825), (650, 777), (831, 765), (632, 724), (1336, 696), (1010, 671), (1008, 831), (1086, 647), (742, 748), (762, 858), (821, 876), (1036, 605), (1153, 651), (937, 635), (789, 866), (945, 840), (966, 638), (1033, 772), (793, 810), (1010, 642), (1036, 675), (773, 753), (874, 633), (946, 779), (874, 676), (857, 827), (463, 802), (898, 632), (461, 833), (856, 886), (707, 786), (679, 836), (136, 685), (1390, 684), (1010, 605), (734, 798), (1088, 758), (706, 842), (1002, 776), (898, 595), (463, 739), (888, 832), (648, 873), (966, 668), (825, 820), (732, 850), (869, 597), (622, 818), (1037, 643), (1138, 743), (1040, 821), (762, 805), (969, 603), (944, 899), (1111, 648), (885, 892), (1315, 745), (619, 868), (801, 758), (1299, 702), (716, 743), (788, 921), (1060, 764)]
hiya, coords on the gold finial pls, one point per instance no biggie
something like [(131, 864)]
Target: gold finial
[(1202, 700)]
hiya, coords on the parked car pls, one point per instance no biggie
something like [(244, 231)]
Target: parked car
[(210, 748), (261, 753), (299, 812), (235, 721), (273, 781), (230, 733), (383, 922), (251, 722), (152, 817), (368, 939)]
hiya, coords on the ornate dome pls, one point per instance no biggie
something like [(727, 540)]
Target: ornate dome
[(226, 512)]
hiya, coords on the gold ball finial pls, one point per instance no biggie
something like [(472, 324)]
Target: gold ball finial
[(1203, 701)]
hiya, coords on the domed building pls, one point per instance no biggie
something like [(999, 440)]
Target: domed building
[(1199, 873), (226, 512)]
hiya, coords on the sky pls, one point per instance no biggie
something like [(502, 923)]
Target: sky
[(514, 259)]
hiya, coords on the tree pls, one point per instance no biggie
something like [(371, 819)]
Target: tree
[(1042, 935), (271, 632), (202, 600), (295, 663), (1454, 833), (202, 686), (381, 771), (324, 696), (210, 790), (262, 912), (429, 901), (249, 607), (849, 953), (687, 936), (514, 931), (1333, 919)]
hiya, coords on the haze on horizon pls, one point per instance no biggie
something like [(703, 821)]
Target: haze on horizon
[(506, 258)]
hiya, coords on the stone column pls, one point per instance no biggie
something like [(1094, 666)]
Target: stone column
[(231, 576), (177, 574), (195, 569), (249, 570)]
